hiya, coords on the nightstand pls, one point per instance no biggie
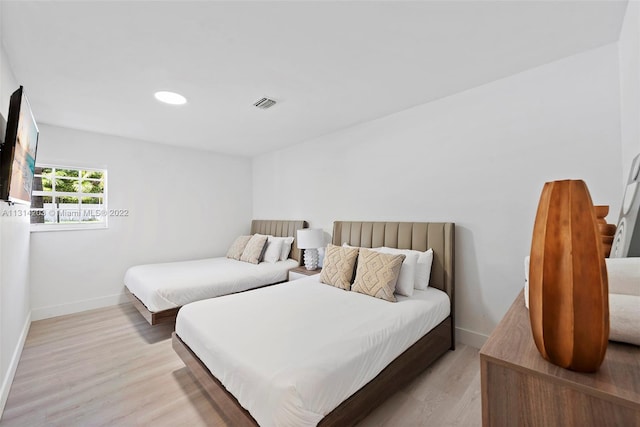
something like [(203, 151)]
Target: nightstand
[(301, 272)]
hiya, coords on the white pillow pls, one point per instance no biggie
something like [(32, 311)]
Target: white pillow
[(423, 270), (273, 251), (285, 248), (407, 276), (423, 266), (265, 245)]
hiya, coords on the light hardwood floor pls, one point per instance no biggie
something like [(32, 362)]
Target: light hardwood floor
[(109, 367)]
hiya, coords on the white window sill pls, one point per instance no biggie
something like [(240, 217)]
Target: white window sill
[(67, 227)]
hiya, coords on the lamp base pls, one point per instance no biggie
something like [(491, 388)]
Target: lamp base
[(311, 259)]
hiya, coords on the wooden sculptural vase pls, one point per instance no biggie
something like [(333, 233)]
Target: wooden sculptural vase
[(568, 288)]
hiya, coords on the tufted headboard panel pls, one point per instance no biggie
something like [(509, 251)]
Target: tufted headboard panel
[(280, 228), (420, 236)]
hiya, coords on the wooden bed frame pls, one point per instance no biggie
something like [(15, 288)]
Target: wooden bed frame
[(419, 236), (278, 228)]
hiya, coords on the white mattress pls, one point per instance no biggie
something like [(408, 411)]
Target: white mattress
[(174, 284), (293, 352)]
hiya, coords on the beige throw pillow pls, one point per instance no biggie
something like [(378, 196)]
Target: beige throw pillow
[(338, 266), (253, 251), (236, 249), (377, 274)]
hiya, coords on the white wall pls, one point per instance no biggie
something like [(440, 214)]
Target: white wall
[(629, 57), (478, 158), (14, 264), (183, 204)]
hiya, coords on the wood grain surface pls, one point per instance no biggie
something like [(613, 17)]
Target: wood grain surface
[(520, 388), (163, 316)]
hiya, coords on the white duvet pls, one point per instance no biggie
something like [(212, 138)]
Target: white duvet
[(293, 352), (174, 284)]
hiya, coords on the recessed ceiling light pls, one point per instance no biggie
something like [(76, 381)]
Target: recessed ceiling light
[(170, 98)]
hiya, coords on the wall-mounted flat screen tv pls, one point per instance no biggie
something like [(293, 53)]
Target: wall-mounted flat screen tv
[(18, 152)]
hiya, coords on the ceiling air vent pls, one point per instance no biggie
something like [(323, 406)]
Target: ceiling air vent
[(265, 103)]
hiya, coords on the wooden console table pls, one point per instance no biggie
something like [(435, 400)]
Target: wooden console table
[(520, 388)]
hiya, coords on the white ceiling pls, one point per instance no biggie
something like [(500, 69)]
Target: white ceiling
[(95, 65)]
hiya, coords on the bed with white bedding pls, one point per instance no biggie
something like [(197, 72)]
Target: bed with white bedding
[(291, 353), (305, 353), (159, 290), (174, 284)]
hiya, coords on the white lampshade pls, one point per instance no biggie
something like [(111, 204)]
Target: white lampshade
[(310, 238)]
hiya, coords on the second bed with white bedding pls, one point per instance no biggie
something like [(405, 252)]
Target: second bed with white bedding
[(292, 353), (169, 285)]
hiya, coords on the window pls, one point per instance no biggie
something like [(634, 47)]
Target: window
[(68, 198)]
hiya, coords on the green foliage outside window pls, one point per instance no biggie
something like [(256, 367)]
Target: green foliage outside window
[(74, 181)]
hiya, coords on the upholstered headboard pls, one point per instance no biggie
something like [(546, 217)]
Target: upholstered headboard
[(420, 236), (279, 228)]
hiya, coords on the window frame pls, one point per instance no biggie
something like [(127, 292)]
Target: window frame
[(102, 225)]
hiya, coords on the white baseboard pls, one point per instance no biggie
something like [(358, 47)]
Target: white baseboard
[(13, 365), (77, 306), (470, 338)]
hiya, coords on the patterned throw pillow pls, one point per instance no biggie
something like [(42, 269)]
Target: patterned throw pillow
[(253, 251), (338, 265), (377, 274), (235, 251)]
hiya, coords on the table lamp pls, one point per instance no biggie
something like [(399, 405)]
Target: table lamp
[(310, 239)]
